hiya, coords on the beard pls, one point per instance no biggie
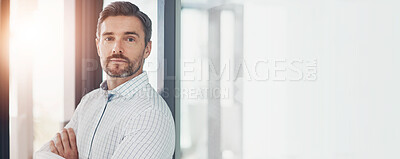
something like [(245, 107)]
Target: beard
[(119, 70)]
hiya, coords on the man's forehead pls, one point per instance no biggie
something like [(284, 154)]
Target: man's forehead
[(121, 25)]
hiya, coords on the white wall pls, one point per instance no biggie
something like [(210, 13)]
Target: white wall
[(351, 109)]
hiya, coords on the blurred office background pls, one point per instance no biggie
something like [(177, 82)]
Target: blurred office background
[(255, 79)]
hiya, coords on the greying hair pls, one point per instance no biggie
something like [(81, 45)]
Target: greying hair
[(125, 9)]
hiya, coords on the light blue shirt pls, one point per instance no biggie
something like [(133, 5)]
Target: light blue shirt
[(130, 121)]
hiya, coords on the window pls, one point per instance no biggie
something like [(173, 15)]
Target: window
[(301, 79), (36, 74), (211, 94)]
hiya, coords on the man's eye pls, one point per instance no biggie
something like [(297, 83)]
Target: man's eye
[(108, 38), (131, 39)]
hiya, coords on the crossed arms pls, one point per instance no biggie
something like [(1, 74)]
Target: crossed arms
[(65, 145), (154, 140)]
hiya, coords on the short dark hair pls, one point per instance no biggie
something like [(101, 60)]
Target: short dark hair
[(125, 9)]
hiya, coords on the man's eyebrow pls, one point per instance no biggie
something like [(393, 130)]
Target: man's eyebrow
[(132, 32), (108, 33)]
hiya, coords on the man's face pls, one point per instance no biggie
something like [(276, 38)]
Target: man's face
[(121, 46)]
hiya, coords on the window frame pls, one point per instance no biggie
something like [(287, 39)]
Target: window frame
[(4, 80)]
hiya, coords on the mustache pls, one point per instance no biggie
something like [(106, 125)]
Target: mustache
[(118, 56)]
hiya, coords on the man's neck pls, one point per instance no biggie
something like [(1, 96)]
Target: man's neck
[(113, 82)]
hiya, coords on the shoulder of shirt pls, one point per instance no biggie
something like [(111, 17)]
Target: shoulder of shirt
[(80, 108), (92, 93), (155, 106), (155, 101)]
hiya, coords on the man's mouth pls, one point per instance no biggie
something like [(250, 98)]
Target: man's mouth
[(118, 60)]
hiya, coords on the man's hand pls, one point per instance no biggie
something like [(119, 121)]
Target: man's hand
[(65, 145)]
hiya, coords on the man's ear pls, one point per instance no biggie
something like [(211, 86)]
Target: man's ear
[(147, 50), (97, 46)]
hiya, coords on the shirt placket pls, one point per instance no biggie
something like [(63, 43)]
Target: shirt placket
[(109, 98)]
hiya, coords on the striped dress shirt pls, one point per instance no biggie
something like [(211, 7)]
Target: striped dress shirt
[(130, 121)]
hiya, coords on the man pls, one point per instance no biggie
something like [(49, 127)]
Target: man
[(125, 117)]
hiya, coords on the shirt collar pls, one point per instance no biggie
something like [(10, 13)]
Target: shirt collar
[(129, 88)]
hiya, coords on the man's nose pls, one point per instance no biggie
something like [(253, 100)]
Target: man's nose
[(118, 48)]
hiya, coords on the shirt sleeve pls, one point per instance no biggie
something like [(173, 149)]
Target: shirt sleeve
[(44, 152), (153, 136)]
